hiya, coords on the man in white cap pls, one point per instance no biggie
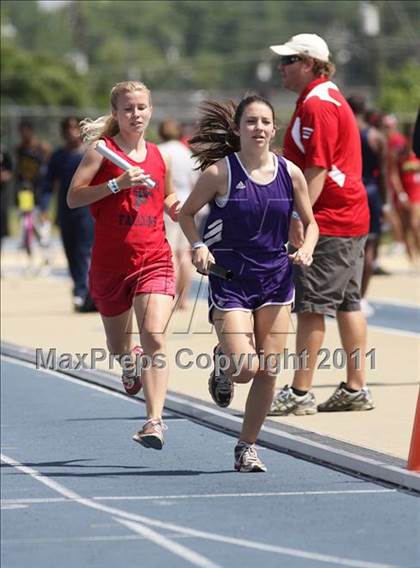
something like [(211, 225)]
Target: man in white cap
[(323, 140)]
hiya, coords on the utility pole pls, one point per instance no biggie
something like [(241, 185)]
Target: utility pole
[(371, 28)]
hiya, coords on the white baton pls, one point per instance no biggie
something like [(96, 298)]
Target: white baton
[(113, 157)]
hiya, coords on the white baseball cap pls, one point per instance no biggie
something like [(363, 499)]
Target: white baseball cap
[(304, 44)]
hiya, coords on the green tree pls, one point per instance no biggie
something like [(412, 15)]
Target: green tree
[(209, 44), (401, 89), (35, 79)]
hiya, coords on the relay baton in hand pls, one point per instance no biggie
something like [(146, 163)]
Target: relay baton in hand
[(219, 271), (113, 157)]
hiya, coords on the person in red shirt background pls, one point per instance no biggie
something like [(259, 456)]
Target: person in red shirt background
[(402, 180), (409, 173), (324, 141), (131, 269), (396, 143)]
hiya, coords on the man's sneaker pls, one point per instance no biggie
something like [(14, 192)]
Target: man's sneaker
[(220, 386), (342, 400), (246, 459), (131, 378), (151, 435), (287, 402)]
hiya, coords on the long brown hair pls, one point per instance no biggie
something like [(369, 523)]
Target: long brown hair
[(215, 136)]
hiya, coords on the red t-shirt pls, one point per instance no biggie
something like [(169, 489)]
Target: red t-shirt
[(323, 133), (409, 167), (129, 228), (396, 142)]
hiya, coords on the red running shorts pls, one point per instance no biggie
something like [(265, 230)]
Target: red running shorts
[(114, 292)]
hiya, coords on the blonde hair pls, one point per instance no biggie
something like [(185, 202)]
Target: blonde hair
[(107, 125)]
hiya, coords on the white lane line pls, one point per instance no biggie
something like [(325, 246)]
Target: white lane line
[(261, 494), (70, 539), (397, 303), (176, 548), (69, 494), (85, 384), (137, 401), (13, 506), (72, 380), (37, 500), (164, 542), (81, 539), (393, 330), (387, 329)]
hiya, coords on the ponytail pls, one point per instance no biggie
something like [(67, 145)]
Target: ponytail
[(215, 137), (92, 130)]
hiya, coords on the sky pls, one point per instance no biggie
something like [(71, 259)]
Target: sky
[(50, 5)]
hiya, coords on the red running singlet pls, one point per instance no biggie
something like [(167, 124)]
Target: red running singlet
[(130, 252), (129, 224)]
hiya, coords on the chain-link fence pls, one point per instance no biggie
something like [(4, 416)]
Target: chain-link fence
[(182, 106)]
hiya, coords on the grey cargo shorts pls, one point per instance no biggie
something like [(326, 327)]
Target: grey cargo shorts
[(332, 282)]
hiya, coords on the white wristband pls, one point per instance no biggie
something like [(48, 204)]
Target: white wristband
[(198, 244), (113, 186), (295, 215), (403, 197)]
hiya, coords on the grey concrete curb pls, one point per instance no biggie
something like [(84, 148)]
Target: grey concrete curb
[(299, 442)]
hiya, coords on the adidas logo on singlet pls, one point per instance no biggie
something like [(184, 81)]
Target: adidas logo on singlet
[(240, 185)]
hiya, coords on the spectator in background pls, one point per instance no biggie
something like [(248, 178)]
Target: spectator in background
[(76, 225), (323, 140), (30, 166), (32, 156), (416, 136), (183, 178), (409, 173), (6, 176), (374, 155), (396, 143), (187, 132)]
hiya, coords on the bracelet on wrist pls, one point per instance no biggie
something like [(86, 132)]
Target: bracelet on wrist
[(295, 215), (113, 186), (402, 197), (198, 244)]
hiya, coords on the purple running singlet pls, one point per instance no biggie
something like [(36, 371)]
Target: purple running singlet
[(247, 231)]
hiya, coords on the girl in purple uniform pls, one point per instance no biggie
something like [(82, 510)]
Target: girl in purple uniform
[(252, 193)]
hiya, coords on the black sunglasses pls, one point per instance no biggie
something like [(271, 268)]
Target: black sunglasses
[(289, 59)]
